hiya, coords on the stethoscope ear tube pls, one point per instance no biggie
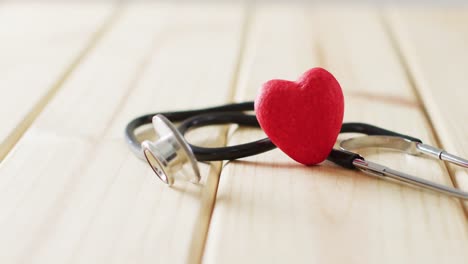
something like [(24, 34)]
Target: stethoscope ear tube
[(400, 143), (371, 130), (344, 158)]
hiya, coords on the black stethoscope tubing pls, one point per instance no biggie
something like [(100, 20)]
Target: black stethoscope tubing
[(234, 114)]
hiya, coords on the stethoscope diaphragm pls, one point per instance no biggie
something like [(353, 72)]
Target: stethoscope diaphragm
[(170, 154)]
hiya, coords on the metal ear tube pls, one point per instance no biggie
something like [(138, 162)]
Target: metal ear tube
[(410, 147)]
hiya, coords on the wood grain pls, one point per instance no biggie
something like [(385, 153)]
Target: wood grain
[(72, 192), (433, 45), (74, 74), (40, 46), (270, 209)]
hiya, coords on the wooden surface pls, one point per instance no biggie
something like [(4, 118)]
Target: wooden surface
[(440, 77), (72, 76)]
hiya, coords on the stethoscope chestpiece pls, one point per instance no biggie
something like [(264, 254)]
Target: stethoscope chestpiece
[(170, 154)]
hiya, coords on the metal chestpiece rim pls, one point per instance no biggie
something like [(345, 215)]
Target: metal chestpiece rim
[(170, 154)]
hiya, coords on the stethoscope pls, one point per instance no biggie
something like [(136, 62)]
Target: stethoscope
[(171, 154)]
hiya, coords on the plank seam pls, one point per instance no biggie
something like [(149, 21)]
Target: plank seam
[(248, 11), (18, 132), (396, 45), (139, 72)]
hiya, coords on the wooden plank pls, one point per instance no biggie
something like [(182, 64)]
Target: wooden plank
[(71, 189), (40, 45), (433, 44), (270, 209)]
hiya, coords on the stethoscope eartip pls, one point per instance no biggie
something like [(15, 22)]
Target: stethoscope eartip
[(170, 154)]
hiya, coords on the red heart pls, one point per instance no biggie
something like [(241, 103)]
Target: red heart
[(302, 118)]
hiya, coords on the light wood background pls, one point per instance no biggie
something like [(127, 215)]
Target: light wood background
[(72, 75)]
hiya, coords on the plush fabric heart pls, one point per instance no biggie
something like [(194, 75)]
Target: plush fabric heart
[(302, 118)]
